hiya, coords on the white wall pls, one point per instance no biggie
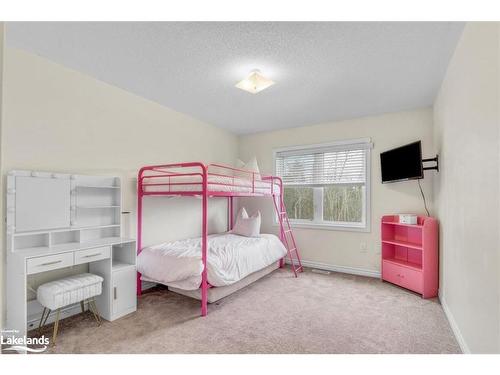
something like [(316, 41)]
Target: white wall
[(466, 118), (57, 119), (2, 39), (342, 248)]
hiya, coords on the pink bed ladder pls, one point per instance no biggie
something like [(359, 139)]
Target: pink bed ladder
[(286, 233)]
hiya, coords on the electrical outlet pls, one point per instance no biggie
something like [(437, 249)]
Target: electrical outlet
[(362, 247)]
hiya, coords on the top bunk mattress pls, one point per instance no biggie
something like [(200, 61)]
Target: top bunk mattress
[(230, 259), (216, 183)]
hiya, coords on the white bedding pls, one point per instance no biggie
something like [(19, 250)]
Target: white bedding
[(215, 183), (230, 259)]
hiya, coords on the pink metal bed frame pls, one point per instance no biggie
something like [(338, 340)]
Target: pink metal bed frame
[(193, 179)]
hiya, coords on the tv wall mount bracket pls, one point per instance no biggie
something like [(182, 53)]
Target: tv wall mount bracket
[(434, 159)]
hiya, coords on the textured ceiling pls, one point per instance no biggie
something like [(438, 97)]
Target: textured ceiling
[(324, 71)]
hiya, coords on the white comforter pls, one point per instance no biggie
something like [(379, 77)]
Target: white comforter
[(230, 258)]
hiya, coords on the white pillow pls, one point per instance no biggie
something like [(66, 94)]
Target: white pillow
[(242, 213), (247, 226), (250, 166)]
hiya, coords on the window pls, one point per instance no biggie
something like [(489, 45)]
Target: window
[(327, 185)]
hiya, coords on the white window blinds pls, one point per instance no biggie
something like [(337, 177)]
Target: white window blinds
[(324, 165)]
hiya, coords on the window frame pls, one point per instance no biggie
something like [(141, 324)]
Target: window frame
[(365, 225)]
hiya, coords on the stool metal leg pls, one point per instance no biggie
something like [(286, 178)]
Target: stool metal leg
[(46, 316), (42, 323), (44, 319), (56, 327), (96, 310), (93, 308)]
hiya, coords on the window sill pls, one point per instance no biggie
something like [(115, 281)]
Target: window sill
[(335, 227)]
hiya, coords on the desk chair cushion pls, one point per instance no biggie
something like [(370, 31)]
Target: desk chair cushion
[(63, 292)]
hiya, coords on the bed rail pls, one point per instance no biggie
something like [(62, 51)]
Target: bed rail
[(186, 179)]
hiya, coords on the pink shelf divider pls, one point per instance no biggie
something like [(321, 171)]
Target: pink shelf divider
[(407, 244)]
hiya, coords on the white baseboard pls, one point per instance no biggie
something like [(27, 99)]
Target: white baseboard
[(454, 326), (342, 269)]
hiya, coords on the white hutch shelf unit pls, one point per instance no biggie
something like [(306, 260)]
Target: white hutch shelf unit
[(94, 202), (59, 220)]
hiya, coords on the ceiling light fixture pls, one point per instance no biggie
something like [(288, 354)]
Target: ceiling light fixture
[(255, 82)]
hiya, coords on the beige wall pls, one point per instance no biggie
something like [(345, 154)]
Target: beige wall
[(466, 118), (57, 119), (342, 248)]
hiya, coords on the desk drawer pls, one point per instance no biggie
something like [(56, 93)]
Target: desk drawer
[(49, 263), (92, 255), (403, 276)]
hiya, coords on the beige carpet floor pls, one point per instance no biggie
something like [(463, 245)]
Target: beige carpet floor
[(314, 313)]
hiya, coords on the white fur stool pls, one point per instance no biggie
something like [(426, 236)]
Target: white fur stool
[(57, 294)]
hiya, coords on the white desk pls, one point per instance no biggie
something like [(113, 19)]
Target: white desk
[(112, 258), (57, 221)]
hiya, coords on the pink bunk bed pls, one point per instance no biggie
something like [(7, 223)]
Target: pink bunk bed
[(213, 180)]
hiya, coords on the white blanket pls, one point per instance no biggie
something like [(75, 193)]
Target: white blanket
[(230, 259)]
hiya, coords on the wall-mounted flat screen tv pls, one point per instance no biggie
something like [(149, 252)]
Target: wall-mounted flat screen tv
[(402, 163)]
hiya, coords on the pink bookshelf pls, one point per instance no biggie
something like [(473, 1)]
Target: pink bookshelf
[(410, 254)]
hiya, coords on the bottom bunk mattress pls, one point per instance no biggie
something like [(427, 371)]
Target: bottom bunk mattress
[(230, 258)]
